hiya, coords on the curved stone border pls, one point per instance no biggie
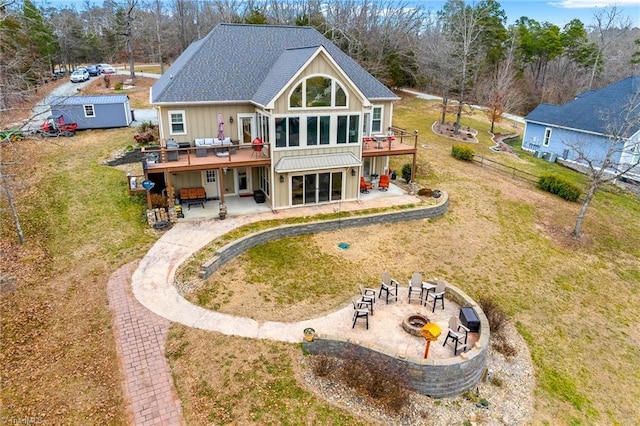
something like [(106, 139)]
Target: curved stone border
[(237, 247), (438, 378), (153, 281)]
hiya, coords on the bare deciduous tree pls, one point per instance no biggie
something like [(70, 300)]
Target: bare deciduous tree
[(609, 24), (500, 93), (620, 153)]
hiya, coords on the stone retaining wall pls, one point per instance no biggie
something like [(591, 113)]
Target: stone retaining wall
[(438, 378), (237, 247), (434, 377)]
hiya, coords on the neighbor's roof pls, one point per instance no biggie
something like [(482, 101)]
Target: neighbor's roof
[(240, 63), (594, 110), (89, 99)]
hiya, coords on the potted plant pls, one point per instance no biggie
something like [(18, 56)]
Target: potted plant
[(309, 334)]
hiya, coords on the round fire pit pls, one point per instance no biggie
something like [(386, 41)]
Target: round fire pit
[(414, 323)]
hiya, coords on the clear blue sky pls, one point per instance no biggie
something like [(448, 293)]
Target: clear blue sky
[(558, 12)]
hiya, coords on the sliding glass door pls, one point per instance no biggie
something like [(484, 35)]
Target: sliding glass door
[(316, 188)]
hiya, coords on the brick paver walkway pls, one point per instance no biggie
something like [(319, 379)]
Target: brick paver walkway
[(140, 341)]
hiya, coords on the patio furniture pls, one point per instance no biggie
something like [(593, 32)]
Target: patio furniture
[(383, 185), (367, 142), (202, 146), (360, 310), (389, 286), (172, 150), (437, 294), (457, 332), (368, 295), (469, 318), (259, 197), (415, 285), (222, 147), (191, 196), (364, 186)]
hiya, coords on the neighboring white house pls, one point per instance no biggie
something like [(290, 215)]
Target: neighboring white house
[(588, 120)]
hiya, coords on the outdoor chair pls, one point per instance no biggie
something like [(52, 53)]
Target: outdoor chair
[(383, 185), (389, 286), (368, 295), (457, 333), (367, 143), (415, 285), (437, 294), (364, 186), (360, 310)]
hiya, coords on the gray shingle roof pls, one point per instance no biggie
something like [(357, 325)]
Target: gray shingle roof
[(237, 62), (85, 100), (592, 111)]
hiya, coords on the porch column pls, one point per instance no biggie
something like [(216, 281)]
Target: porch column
[(170, 192), (415, 157), (221, 175)]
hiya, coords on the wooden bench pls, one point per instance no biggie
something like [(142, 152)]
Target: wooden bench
[(191, 196)]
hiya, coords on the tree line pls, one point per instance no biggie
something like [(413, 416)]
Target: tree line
[(464, 51)]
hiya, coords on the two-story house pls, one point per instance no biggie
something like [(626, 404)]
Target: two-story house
[(277, 109)]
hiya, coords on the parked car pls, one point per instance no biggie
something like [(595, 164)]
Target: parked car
[(93, 70), (80, 76), (107, 69)]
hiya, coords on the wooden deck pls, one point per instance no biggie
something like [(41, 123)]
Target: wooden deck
[(381, 149), (186, 159)]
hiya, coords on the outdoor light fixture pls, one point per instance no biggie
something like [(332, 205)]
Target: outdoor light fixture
[(230, 119), (281, 178), (225, 170), (353, 172)]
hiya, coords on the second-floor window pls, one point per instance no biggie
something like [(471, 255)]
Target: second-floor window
[(318, 92), (287, 132), (376, 119), (348, 126), (177, 123), (318, 130)]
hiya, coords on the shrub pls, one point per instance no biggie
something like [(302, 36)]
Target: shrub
[(117, 86), (560, 187), (147, 125), (322, 365), (500, 344), (107, 81), (386, 386), (496, 381), (145, 137), (425, 192), (406, 172), (159, 201), (495, 314), (462, 152)]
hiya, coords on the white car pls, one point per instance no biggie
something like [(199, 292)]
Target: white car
[(80, 75), (107, 69)]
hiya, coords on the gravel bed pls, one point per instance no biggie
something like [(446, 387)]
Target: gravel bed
[(509, 392)]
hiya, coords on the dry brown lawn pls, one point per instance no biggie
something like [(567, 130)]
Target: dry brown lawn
[(500, 238), (575, 302)]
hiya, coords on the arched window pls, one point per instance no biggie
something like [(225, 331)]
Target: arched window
[(318, 92)]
